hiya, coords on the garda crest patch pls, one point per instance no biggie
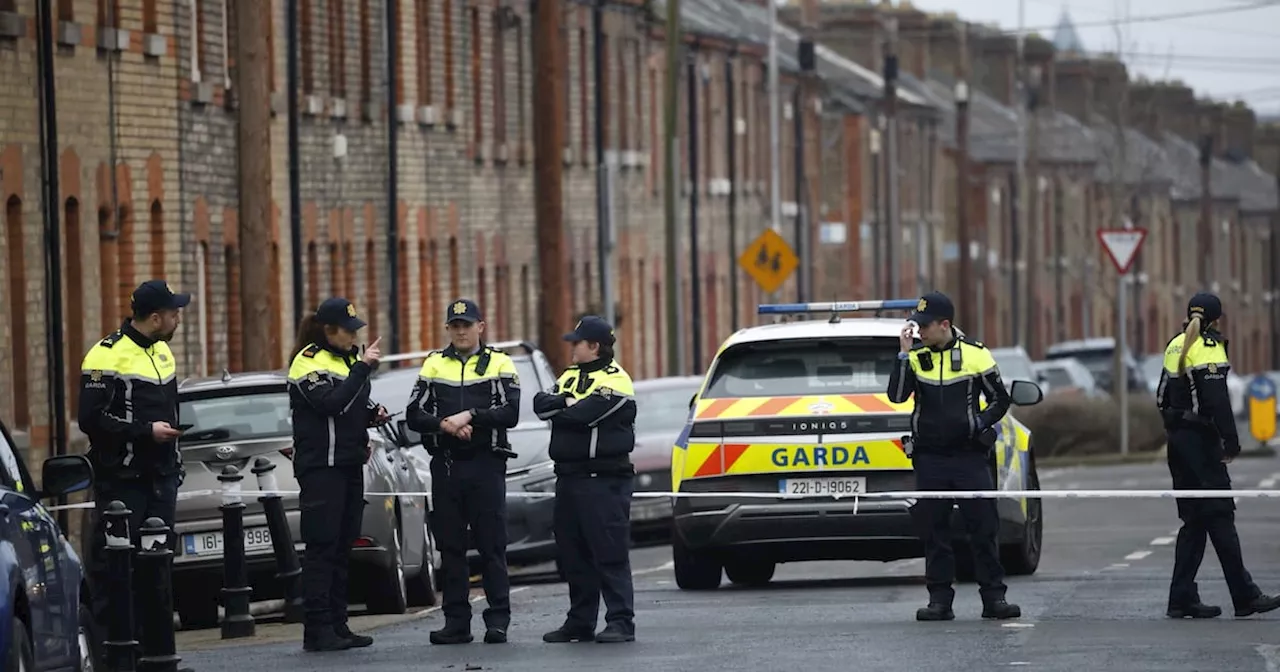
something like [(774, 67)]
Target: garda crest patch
[(313, 377), (607, 392), (351, 310), (95, 376), (459, 308), (920, 307), (1213, 368)]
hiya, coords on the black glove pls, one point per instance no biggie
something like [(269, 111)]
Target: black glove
[(986, 437)]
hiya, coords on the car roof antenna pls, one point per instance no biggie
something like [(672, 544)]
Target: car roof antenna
[(835, 314), (226, 375)]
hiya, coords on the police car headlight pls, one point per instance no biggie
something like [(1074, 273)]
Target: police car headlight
[(545, 484)]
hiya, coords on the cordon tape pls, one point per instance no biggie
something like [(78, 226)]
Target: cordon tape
[(892, 495)]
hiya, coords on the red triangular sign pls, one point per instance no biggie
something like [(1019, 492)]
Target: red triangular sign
[(1122, 246)]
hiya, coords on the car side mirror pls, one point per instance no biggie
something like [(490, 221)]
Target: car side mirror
[(1025, 393), (65, 474)]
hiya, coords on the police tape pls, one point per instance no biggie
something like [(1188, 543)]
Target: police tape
[(901, 495)]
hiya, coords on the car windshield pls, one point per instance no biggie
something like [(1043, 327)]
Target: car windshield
[(804, 367), (1057, 377), (1099, 362), (243, 414), (663, 408), (1013, 365)]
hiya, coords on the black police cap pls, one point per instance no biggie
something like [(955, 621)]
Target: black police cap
[(339, 312), (463, 309), (1206, 306), (932, 307), (591, 328), (155, 295)]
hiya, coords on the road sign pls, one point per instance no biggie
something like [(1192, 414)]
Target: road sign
[(1122, 246), (769, 260), (1262, 408)]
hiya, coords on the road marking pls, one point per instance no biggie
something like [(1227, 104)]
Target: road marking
[(1267, 483), (1137, 555), (1118, 565), (1018, 625), (663, 567), (1018, 663), (1163, 541)]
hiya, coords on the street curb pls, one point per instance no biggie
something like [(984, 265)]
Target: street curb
[(1100, 460)]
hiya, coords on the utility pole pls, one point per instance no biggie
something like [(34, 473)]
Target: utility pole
[(1033, 219), (548, 162), (731, 141), (1019, 178), (967, 295), (294, 144), (1206, 211), (775, 151), (253, 61), (604, 183), (806, 56), (894, 228), (675, 363), (391, 38), (692, 80)]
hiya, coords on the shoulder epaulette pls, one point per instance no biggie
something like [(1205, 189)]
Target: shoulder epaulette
[(918, 346), (612, 369), (311, 350), (111, 339), (973, 342)]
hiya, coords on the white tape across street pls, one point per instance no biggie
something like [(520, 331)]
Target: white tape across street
[(892, 495)]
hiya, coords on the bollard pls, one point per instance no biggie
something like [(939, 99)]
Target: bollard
[(155, 608), (236, 622), (121, 647), (290, 572)]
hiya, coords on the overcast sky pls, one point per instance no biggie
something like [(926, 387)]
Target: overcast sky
[(1224, 55)]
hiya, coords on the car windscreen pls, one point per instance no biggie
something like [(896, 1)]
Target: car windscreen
[(1099, 362), (244, 414), (1057, 377), (804, 367), (663, 409), (1013, 365)]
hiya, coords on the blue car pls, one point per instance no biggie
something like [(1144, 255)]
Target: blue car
[(45, 621)]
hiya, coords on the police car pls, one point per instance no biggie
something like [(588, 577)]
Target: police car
[(800, 408)]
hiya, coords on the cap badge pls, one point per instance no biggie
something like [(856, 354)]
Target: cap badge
[(459, 308), (578, 325), (920, 307), (167, 288), (351, 310)]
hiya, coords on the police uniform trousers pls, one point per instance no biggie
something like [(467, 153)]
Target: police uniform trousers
[(471, 493), (332, 503), (1195, 463), (959, 471), (144, 497), (593, 540)]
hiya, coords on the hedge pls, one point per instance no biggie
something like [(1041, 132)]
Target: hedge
[(1077, 425)]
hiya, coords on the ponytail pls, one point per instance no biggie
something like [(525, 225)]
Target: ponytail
[(310, 331), (1189, 336)]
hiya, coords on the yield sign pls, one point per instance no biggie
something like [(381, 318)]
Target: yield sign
[(1122, 246)]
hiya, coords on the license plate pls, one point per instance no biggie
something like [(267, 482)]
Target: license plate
[(210, 543), (834, 486)]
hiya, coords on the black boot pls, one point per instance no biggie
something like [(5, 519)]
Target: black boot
[(323, 638), (615, 633), (357, 641), (936, 611), (495, 634), (1260, 605), (1195, 610), (452, 633), (564, 634), (1000, 609)]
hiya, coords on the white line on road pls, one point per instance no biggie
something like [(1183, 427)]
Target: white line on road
[(1118, 565), (1163, 541), (652, 570), (1267, 483), (1137, 555), (1018, 625)]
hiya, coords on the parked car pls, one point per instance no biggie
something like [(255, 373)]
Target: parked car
[(530, 537), (1099, 355), (1015, 364), (1151, 366), (1068, 376), (238, 418), (47, 622), (662, 412)]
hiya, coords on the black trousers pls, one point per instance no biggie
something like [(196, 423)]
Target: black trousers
[(593, 539), (331, 500), (981, 520), (471, 494), (145, 498), (1195, 463)]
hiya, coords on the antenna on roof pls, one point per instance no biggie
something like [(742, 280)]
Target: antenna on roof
[(226, 375)]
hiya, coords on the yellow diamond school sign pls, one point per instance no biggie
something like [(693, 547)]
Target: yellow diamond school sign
[(769, 260)]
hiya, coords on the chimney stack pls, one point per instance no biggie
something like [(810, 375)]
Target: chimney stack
[(1241, 126), (1165, 106), (1266, 148), (851, 29), (995, 58), (1041, 70), (1073, 89), (944, 42), (913, 39)]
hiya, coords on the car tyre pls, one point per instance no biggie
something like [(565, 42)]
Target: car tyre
[(751, 573), (422, 588), (1023, 558), (19, 657), (388, 592), (197, 603), (87, 636), (694, 570)]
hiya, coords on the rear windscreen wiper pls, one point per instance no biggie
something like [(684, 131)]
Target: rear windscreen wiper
[(213, 434)]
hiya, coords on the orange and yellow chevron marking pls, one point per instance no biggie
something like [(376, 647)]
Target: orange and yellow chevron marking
[(714, 459), (832, 404)]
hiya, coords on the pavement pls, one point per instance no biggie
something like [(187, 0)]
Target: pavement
[(1096, 604)]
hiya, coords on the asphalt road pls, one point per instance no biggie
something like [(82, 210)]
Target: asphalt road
[(1096, 604)]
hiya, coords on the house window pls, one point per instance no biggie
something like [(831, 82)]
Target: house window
[(19, 386), (307, 50), (424, 51), (157, 240), (200, 43), (366, 61), (337, 49), (499, 80), (448, 55), (477, 110), (149, 23)]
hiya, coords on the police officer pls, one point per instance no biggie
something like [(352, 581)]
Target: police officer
[(466, 398), (952, 442), (1202, 439), (592, 412), (129, 411), (331, 413)]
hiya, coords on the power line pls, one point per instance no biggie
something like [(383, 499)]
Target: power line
[(1148, 18)]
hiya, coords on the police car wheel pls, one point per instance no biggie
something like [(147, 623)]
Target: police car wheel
[(753, 573), (87, 641), (387, 593), (694, 570), (1023, 557), (422, 588), (19, 657)]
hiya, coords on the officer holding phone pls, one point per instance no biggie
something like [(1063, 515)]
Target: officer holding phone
[(129, 410), (952, 442)]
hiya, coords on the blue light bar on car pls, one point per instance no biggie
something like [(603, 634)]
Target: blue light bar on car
[(835, 306)]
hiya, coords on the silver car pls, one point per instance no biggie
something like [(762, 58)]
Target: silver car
[(662, 413), (239, 418), (530, 537)]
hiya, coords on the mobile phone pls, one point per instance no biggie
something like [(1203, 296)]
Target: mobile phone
[(183, 428)]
